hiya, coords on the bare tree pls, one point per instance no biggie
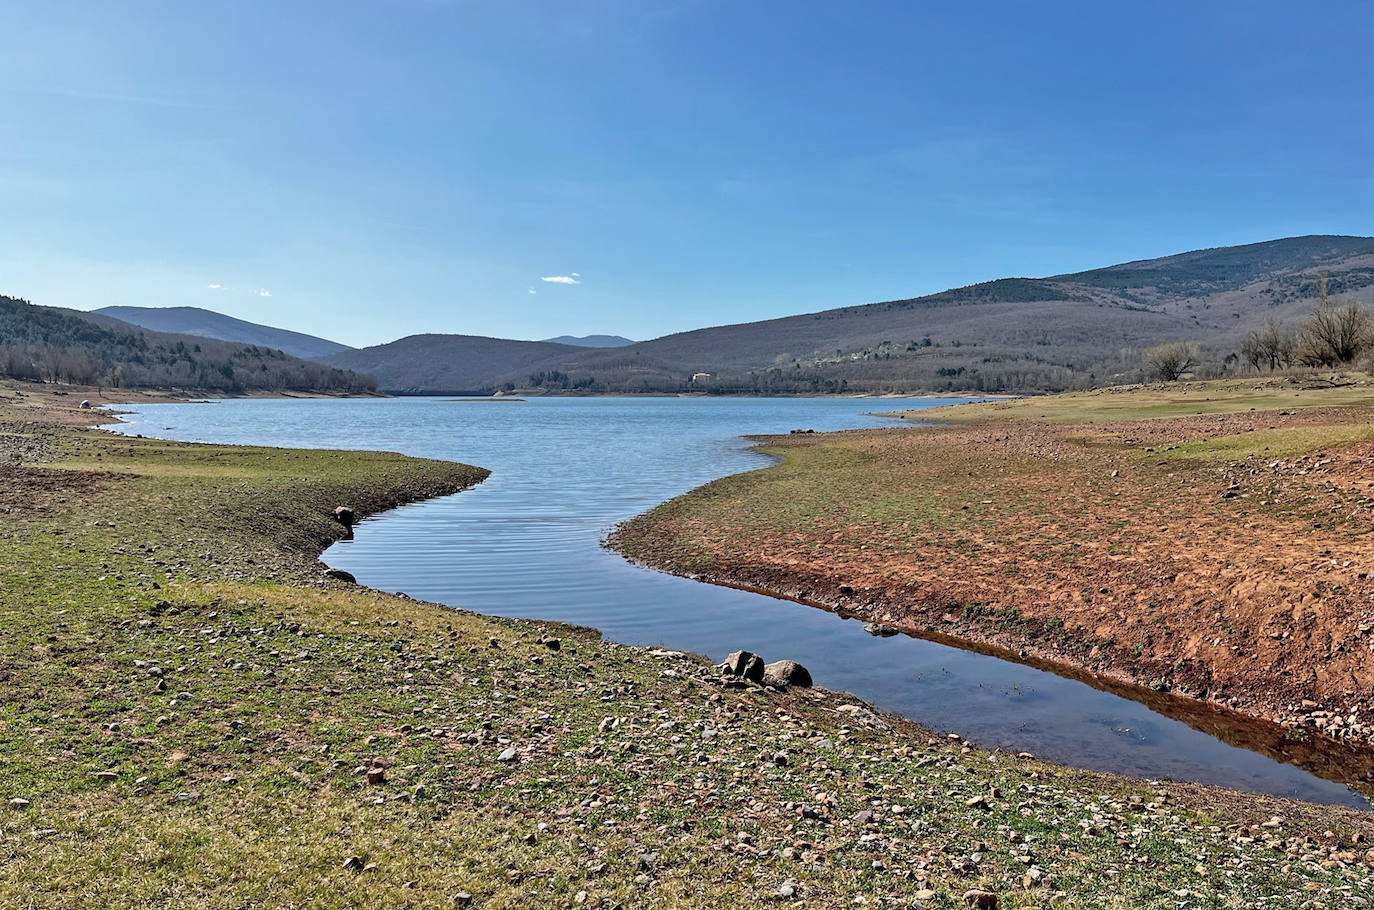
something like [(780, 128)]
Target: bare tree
[(1334, 334), (1269, 348), (1170, 360)]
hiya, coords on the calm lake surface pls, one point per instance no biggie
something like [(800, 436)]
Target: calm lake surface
[(527, 543)]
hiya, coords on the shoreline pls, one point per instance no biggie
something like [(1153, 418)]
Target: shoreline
[(270, 733), (865, 577), (1333, 760), (1326, 759)]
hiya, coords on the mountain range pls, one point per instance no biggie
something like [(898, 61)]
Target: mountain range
[(1065, 331), (53, 344), (1009, 335), (191, 320), (592, 341)]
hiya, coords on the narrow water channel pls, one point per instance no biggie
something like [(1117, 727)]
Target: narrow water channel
[(527, 543)]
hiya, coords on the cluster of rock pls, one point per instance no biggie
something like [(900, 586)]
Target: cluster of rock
[(748, 666)]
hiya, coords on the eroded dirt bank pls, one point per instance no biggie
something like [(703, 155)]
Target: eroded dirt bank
[(1216, 556)]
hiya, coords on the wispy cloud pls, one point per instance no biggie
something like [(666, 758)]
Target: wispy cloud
[(216, 287), (533, 291), (263, 292), (118, 97), (573, 278)]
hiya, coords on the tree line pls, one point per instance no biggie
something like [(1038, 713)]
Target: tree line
[(1333, 335), (42, 344)]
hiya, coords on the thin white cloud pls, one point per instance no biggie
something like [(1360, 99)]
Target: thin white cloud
[(264, 293), (563, 279), (216, 287), (533, 291)]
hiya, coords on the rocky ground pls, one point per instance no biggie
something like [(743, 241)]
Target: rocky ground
[(197, 717)]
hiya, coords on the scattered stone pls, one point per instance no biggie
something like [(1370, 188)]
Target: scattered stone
[(18, 802), (783, 673), (340, 575), (745, 665), (878, 630), (376, 775), (553, 644), (508, 755), (983, 900), (353, 864), (787, 890)]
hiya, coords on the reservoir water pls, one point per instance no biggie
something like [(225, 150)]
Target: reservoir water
[(528, 543)]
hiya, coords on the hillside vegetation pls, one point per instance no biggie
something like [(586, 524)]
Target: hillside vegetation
[(452, 363), (197, 719), (54, 345), (190, 320), (1068, 331)]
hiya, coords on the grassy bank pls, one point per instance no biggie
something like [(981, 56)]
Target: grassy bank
[(1208, 540), (195, 717)]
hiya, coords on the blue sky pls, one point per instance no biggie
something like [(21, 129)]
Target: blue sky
[(367, 170)]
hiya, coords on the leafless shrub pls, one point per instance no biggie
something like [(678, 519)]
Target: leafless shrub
[(1269, 348), (1335, 333), (1172, 359)]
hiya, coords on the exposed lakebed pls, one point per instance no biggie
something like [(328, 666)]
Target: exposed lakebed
[(527, 543)]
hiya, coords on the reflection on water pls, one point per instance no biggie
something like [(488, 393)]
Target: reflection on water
[(527, 542)]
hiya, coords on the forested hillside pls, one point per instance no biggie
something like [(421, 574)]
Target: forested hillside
[(191, 320), (55, 345)]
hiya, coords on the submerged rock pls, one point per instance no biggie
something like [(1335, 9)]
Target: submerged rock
[(783, 673), (879, 630), (745, 665)]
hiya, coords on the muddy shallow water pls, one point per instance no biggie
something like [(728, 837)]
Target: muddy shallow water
[(527, 542)]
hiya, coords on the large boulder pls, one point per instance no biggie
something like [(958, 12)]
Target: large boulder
[(745, 665), (783, 673)]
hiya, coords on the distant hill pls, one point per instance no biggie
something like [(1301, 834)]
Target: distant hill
[(1009, 335), (59, 345), (592, 341), (190, 320), (452, 363)]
